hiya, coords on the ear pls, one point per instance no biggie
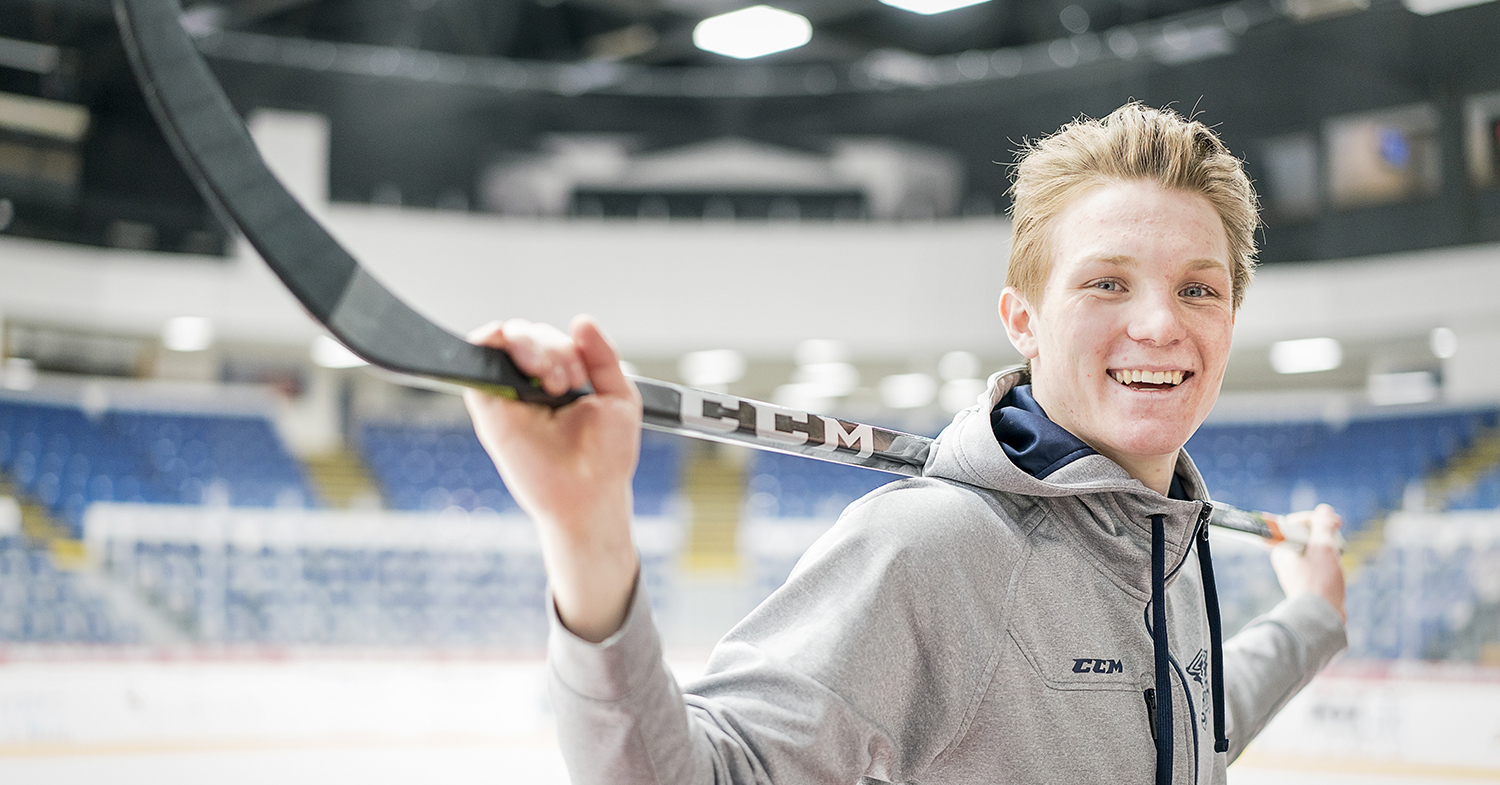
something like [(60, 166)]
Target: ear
[(1020, 322)]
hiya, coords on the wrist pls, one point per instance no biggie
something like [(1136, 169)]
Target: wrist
[(592, 565)]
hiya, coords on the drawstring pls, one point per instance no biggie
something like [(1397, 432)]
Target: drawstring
[(1159, 640), (1215, 635)]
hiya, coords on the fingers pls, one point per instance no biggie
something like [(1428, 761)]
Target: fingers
[(539, 350), (1324, 525), (600, 359), (559, 361)]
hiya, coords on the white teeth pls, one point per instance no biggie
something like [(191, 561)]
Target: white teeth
[(1173, 378)]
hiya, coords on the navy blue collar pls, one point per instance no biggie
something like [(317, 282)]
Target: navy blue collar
[(1036, 444)]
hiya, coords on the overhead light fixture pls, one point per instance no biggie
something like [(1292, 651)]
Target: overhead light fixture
[(1390, 389), (821, 350), (960, 394), (711, 370), (328, 353), (929, 7), (806, 397), (752, 32), (29, 56), (958, 365), (908, 390), (19, 373), (828, 380), (1443, 342), (42, 117), (187, 334), (1430, 7), (1306, 355)]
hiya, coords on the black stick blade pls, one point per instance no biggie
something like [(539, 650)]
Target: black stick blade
[(215, 148)]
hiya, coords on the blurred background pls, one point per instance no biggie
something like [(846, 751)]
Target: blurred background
[(228, 551)]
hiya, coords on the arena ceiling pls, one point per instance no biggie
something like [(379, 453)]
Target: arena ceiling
[(424, 95)]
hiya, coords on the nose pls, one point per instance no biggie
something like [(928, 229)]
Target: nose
[(1156, 320)]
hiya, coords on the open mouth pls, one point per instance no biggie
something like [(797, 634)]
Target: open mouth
[(1150, 380)]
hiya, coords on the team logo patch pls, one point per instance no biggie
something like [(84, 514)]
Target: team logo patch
[(1092, 665), (1198, 668)]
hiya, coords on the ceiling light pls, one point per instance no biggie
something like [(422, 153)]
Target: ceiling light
[(907, 390), (712, 368), (930, 6), (1444, 342), (752, 32), (960, 394), (1430, 7), (187, 334), (1389, 389), (329, 353), (828, 380), (821, 350), (804, 397), (958, 365), (19, 373), (1306, 355), (42, 117)]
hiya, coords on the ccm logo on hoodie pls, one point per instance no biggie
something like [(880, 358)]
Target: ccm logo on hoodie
[(1090, 665)]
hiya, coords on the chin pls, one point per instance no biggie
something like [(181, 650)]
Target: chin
[(1153, 438)]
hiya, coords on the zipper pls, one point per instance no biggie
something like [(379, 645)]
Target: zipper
[(1151, 710)]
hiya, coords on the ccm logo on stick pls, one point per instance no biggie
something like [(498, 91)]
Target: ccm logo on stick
[(726, 414), (1091, 665)]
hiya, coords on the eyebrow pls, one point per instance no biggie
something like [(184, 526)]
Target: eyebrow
[(1194, 265)]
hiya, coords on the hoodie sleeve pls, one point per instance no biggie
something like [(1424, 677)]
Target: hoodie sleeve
[(867, 662), (1272, 659)]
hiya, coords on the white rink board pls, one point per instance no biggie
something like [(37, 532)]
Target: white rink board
[(384, 718), (1404, 715)]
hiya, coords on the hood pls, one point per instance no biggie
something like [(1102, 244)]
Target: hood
[(1104, 508)]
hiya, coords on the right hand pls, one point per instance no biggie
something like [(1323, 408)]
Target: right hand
[(1315, 568), (569, 468)]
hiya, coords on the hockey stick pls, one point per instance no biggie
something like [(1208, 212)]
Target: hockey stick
[(215, 148)]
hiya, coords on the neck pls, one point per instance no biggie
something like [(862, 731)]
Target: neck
[(1154, 471)]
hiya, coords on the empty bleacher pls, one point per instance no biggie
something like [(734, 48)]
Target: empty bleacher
[(421, 467), (68, 460), (42, 604), (1430, 591), (318, 577), (1362, 467)]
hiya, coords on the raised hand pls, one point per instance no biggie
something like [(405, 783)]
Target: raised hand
[(1316, 568), (570, 468)]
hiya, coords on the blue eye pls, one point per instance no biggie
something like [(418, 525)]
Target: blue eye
[(1109, 286), (1196, 291)]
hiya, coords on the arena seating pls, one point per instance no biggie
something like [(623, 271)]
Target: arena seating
[(433, 468), (790, 486), (42, 604), (1484, 494), (68, 460), (297, 577), (1361, 468), (1421, 595)]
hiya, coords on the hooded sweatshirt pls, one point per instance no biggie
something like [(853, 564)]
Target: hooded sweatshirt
[(990, 622)]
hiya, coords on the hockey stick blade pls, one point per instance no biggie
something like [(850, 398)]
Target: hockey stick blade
[(216, 149)]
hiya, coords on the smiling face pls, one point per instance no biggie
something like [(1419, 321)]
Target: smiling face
[(1129, 342)]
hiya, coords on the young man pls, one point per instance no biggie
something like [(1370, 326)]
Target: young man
[(1039, 607)]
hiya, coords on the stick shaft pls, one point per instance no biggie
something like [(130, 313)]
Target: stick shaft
[(672, 408)]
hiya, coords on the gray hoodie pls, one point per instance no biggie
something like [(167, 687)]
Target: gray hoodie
[(977, 625)]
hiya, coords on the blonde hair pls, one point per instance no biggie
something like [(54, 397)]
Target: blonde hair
[(1133, 143)]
